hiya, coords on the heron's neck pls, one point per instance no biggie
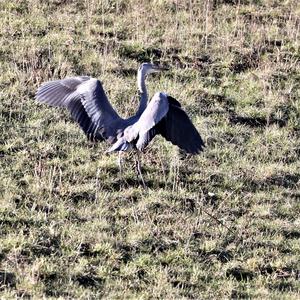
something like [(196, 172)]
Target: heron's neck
[(142, 90)]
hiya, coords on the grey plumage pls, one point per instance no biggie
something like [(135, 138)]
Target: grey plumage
[(88, 104), (79, 114), (176, 127)]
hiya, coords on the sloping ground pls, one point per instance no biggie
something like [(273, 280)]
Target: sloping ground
[(223, 224)]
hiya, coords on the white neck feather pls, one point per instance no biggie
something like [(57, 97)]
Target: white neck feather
[(142, 89)]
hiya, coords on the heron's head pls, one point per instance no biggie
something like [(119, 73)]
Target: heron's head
[(148, 68)]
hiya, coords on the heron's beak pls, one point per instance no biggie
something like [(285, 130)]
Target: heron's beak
[(157, 69), (164, 69)]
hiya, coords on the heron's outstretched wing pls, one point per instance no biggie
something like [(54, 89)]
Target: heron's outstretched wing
[(86, 100), (165, 116), (79, 114)]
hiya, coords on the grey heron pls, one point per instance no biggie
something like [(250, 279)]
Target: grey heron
[(88, 104)]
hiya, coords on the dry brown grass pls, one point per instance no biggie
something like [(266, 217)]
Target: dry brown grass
[(224, 224)]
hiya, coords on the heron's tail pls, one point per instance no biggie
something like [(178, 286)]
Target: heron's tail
[(120, 145)]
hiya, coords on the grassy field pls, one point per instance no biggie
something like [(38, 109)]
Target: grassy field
[(224, 224)]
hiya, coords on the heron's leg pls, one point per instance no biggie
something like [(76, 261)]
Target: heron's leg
[(138, 168), (120, 163)]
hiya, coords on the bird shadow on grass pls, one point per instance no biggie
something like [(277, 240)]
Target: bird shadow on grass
[(256, 121), (283, 179)]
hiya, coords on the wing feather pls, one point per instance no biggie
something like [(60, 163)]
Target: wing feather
[(177, 128), (96, 103), (57, 92), (165, 116), (154, 112), (79, 114), (85, 98)]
